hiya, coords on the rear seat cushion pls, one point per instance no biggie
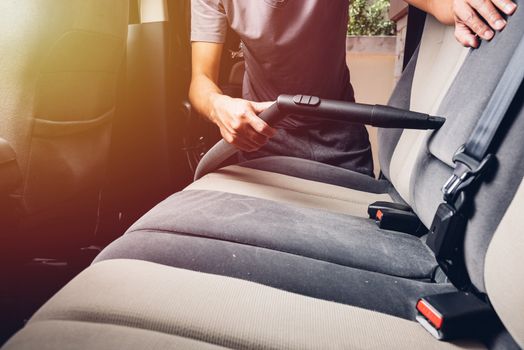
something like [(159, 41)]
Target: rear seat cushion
[(306, 251), (312, 233), (295, 190), (222, 311)]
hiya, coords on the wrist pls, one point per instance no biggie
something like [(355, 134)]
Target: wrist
[(442, 10), (214, 101)]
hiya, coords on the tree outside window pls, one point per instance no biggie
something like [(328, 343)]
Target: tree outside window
[(370, 17)]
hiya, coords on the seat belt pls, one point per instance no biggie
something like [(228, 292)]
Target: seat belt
[(414, 31), (472, 160)]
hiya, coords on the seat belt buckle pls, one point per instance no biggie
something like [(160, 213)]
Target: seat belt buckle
[(467, 170), (396, 217), (454, 315)]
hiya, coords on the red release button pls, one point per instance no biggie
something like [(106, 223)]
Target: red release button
[(430, 313)]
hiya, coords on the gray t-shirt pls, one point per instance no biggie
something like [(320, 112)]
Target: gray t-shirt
[(290, 46)]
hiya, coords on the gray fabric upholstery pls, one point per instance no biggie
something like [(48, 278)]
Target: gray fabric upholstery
[(226, 311), (74, 334), (475, 82), (340, 239)]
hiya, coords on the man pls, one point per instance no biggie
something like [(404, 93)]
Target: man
[(298, 47)]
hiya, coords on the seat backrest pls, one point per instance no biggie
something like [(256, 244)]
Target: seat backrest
[(504, 272), (59, 64), (492, 257), (457, 83), (427, 79), (462, 106)]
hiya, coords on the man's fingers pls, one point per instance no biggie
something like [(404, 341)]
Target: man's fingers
[(470, 18), (489, 12), (245, 146), (506, 6), (253, 135), (240, 133), (257, 123), (260, 107), (260, 126), (242, 143), (241, 127), (244, 127), (465, 36)]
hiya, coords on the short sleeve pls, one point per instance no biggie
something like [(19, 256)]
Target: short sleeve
[(208, 21)]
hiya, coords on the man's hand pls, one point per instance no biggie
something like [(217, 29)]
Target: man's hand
[(239, 122), (473, 19), (237, 119), (479, 18)]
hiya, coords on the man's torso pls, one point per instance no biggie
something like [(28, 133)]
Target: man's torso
[(292, 47)]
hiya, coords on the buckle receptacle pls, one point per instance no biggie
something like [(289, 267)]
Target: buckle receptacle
[(454, 315), (396, 217)]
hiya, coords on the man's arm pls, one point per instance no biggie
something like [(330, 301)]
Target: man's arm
[(470, 17), (236, 118)]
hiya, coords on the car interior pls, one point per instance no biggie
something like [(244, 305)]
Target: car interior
[(126, 223)]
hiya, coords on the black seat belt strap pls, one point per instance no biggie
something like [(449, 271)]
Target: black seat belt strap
[(471, 162)]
